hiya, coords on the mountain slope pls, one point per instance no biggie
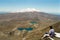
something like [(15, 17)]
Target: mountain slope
[(10, 22)]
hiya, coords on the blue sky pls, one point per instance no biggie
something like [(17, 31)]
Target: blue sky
[(51, 6)]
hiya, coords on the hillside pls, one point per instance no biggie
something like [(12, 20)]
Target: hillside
[(39, 21)]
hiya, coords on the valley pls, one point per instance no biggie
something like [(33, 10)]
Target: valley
[(27, 25)]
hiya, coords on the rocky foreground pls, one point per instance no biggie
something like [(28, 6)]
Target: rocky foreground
[(35, 34)]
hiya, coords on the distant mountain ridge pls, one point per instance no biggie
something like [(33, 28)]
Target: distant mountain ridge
[(2, 12), (29, 16)]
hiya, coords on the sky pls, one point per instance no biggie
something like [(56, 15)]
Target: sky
[(50, 6)]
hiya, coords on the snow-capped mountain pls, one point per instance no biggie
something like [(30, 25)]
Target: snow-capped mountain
[(28, 10)]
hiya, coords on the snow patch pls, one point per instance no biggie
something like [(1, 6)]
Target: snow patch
[(28, 10), (57, 35)]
